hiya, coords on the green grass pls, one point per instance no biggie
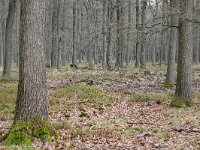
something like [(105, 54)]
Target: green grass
[(88, 132), (69, 96), (78, 95), (8, 94), (5, 79), (180, 103), (167, 85), (147, 97), (164, 135)]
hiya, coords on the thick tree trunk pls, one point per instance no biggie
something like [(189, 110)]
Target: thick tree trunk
[(184, 72), (32, 91), (31, 115)]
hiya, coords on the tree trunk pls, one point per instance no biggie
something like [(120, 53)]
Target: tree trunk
[(196, 35), (184, 71), (109, 33), (104, 33), (137, 61), (55, 39), (127, 57), (74, 34), (120, 36), (31, 113), (1, 33), (173, 42), (8, 38), (143, 40), (31, 99)]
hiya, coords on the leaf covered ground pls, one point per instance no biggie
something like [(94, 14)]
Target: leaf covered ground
[(111, 110)]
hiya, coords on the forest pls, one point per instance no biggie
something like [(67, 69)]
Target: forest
[(99, 74)]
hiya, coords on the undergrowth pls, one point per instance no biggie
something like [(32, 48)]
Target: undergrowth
[(78, 95), (8, 93), (146, 97)]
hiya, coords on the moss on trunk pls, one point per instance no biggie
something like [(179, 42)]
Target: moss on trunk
[(24, 133)]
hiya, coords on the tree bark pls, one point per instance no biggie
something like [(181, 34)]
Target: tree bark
[(120, 34), (8, 38), (74, 34), (138, 42), (32, 91), (143, 38), (128, 48), (31, 115), (109, 33), (184, 71), (173, 41), (55, 39)]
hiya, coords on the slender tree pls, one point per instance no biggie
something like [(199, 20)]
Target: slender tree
[(143, 38), (74, 33), (120, 34), (174, 5), (196, 34), (8, 38), (104, 4), (128, 47), (137, 62), (1, 33), (109, 34), (55, 40)]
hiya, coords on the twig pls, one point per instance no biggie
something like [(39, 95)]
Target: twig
[(186, 130), (140, 123)]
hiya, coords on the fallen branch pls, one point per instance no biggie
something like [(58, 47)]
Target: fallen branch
[(140, 123), (186, 130)]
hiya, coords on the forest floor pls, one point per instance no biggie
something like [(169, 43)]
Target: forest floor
[(111, 110)]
